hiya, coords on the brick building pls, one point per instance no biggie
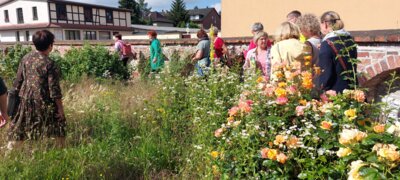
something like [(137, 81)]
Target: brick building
[(205, 17)]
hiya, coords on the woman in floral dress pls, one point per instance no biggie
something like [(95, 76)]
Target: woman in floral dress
[(40, 112)]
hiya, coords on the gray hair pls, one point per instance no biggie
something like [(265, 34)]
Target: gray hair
[(216, 30), (257, 27)]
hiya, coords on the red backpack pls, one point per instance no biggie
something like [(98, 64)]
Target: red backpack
[(127, 50)]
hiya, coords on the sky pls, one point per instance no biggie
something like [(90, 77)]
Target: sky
[(158, 5)]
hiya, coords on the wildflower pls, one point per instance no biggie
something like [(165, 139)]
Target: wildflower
[(269, 91), (326, 125), (303, 102), (279, 139), (282, 100), (293, 142), (245, 106), (292, 89), (281, 158), (355, 167), (351, 136), (351, 114), (218, 132), (389, 154), (272, 153), (300, 110), (215, 170), (307, 83), (379, 128), (230, 119), (343, 152), (280, 92), (260, 79), (282, 84), (214, 154), (236, 123), (331, 93), (264, 153), (359, 95), (233, 111)]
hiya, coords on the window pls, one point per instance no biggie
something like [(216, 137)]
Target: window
[(26, 35), (61, 10), (20, 16), (72, 35), (34, 13), (6, 18), (109, 16), (88, 14), (90, 35), (17, 36), (104, 35)]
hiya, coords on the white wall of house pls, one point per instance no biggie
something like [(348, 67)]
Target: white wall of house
[(27, 6)]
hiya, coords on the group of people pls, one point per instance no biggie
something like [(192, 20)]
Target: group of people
[(321, 39), (41, 114)]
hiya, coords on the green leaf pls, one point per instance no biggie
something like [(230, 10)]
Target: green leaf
[(302, 176)]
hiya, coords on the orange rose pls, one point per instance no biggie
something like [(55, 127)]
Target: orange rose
[(380, 128), (326, 125), (281, 158), (292, 142), (279, 139)]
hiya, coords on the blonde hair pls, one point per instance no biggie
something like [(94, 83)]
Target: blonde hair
[(258, 35), (287, 30), (309, 23), (333, 20)]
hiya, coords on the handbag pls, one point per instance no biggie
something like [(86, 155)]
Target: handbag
[(13, 101)]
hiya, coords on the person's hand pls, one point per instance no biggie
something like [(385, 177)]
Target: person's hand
[(3, 121), (154, 60)]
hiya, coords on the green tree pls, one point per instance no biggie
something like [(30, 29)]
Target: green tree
[(144, 11), (178, 12), (134, 7)]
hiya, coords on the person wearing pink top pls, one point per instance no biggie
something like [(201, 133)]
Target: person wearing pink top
[(258, 59), (257, 27)]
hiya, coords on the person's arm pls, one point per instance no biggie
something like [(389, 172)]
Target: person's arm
[(325, 62), (157, 49), (199, 53), (53, 79), (3, 103)]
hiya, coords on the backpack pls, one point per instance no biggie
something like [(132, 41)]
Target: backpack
[(127, 50)]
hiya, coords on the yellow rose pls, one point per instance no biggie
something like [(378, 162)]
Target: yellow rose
[(389, 154), (379, 128), (272, 153), (326, 125), (214, 154), (260, 79), (282, 84), (351, 114), (280, 92), (343, 152)]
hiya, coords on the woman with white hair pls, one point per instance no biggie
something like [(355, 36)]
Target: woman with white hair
[(255, 28)]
